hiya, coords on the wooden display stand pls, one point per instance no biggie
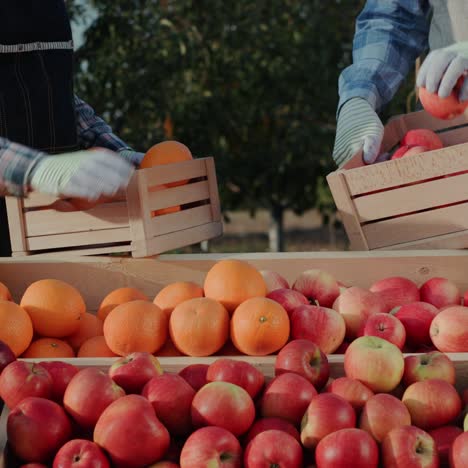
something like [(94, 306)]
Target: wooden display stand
[(418, 202), (125, 225)]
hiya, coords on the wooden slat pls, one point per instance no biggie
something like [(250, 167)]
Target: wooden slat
[(47, 222), (16, 226), (213, 189), (36, 199), (421, 119), (412, 198), (417, 226), (138, 214), (119, 248), (178, 195)]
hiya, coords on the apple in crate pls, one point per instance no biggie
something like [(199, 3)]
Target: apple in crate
[(80, 453), (406, 150), (449, 330), (339, 448), (61, 373), (171, 397), (318, 286), (385, 326), (133, 371), (130, 432), (274, 280), (325, 414), (305, 358), (21, 379), (273, 449), (6, 355), (440, 292), (265, 424), (432, 403), (396, 291), (37, 428), (323, 326), (287, 396), (375, 362), (195, 375), (433, 365), (288, 298), (225, 405), (409, 446), (443, 438), (211, 446), (459, 452), (353, 391), (422, 137), (88, 394)]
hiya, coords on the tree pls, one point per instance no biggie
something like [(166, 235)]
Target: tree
[(253, 84)]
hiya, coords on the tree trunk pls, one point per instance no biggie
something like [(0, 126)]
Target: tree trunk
[(276, 232)]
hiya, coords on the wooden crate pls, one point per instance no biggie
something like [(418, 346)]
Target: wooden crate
[(419, 202), (126, 224)]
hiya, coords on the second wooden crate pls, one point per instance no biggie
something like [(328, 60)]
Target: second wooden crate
[(418, 202)]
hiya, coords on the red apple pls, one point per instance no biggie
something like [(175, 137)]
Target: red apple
[(273, 280), (443, 437), (131, 372), (356, 305), (410, 151), (288, 298), (409, 446), (211, 447), (225, 405), (353, 391), (305, 358), (61, 373), (37, 428), (325, 414), (6, 355), (381, 414), (129, 431), (237, 372), (342, 348), (21, 379), (323, 326), (287, 396), (400, 152), (422, 137), (171, 397), (265, 424), (34, 465), (385, 326), (318, 286), (396, 291), (339, 448), (432, 403), (465, 396), (443, 108), (433, 365), (416, 318), (164, 464), (440, 292), (80, 453), (88, 394), (273, 448), (449, 330), (195, 375), (459, 452), (375, 362)]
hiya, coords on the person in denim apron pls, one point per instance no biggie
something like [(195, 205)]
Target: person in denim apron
[(43, 124), (389, 36)]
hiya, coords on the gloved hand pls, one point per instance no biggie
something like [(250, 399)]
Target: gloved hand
[(82, 174), (132, 156), (358, 127), (442, 68)]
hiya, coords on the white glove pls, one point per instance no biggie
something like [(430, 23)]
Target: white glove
[(358, 127), (133, 156), (442, 68), (83, 174)]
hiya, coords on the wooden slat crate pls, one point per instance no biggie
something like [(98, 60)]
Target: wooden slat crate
[(416, 202), (125, 224)]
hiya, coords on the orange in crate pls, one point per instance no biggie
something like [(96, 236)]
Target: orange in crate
[(174, 293), (16, 328), (95, 347), (5, 294), (117, 297), (49, 348), (90, 325)]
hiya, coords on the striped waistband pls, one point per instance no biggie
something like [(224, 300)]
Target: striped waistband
[(33, 46)]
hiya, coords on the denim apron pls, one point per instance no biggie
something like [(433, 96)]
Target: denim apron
[(36, 81)]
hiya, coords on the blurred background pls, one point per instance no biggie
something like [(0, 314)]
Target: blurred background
[(252, 83)]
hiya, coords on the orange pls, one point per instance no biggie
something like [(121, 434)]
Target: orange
[(231, 282), (117, 297), (5, 294), (135, 326), (16, 328), (55, 307), (49, 348), (95, 347), (174, 293), (199, 327), (259, 326), (90, 326), (166, 152)]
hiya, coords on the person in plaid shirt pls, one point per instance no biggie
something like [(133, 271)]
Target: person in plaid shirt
[(45, 129), (389, 36)]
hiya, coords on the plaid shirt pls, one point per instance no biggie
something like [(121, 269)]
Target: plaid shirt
[(17, 160), (389, 36)]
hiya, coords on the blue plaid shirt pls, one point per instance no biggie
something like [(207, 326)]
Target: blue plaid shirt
[(390, 35), (16, 160)]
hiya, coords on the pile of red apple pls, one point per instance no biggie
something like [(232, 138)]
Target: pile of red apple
[(389, 410)]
